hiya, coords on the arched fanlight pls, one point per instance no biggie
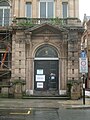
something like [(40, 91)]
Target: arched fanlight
[(46, 51), (4, 3)]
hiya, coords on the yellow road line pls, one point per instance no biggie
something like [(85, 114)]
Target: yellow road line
[(29, 112), (18, 113), (21, 113)]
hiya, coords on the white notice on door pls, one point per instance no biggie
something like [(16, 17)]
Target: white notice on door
[(40, 77), (40, 71), (39, 84)]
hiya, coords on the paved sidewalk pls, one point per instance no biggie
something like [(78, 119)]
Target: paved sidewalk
[(76, 104), (33, 103)]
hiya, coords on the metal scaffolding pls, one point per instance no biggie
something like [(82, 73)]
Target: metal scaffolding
[(5, 57)]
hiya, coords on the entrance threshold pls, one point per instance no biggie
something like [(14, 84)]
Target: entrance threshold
[(60, 97), (46, 59)]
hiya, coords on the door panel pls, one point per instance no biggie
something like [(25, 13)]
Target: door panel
[(46, 75)]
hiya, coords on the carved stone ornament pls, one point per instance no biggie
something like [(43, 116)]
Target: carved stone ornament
[(46, 39)]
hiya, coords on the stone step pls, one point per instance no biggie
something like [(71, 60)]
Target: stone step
[(47, 97)]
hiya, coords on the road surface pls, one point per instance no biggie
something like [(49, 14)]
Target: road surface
[(44, 114)]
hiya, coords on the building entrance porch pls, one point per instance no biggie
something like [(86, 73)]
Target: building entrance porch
[(46, 71)]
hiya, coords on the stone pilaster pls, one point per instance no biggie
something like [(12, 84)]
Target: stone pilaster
[(18, 61)]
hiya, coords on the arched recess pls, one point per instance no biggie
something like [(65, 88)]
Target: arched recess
[(46, 70)]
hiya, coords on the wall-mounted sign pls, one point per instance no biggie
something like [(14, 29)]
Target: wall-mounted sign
[(39, 84), (83, 65), (40, 71), (40, 77), (83, 54)]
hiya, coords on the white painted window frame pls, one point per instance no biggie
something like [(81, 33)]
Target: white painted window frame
[(26, 9), (67, 8), (3, 8), (46, 7)]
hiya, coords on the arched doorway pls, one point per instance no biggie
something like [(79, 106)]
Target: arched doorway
[(46, 69)]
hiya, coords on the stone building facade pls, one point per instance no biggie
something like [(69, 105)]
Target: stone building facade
[(60, 8), (45, 45)]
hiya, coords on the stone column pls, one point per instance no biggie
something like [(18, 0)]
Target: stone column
[(29, 64), (63, 69)]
